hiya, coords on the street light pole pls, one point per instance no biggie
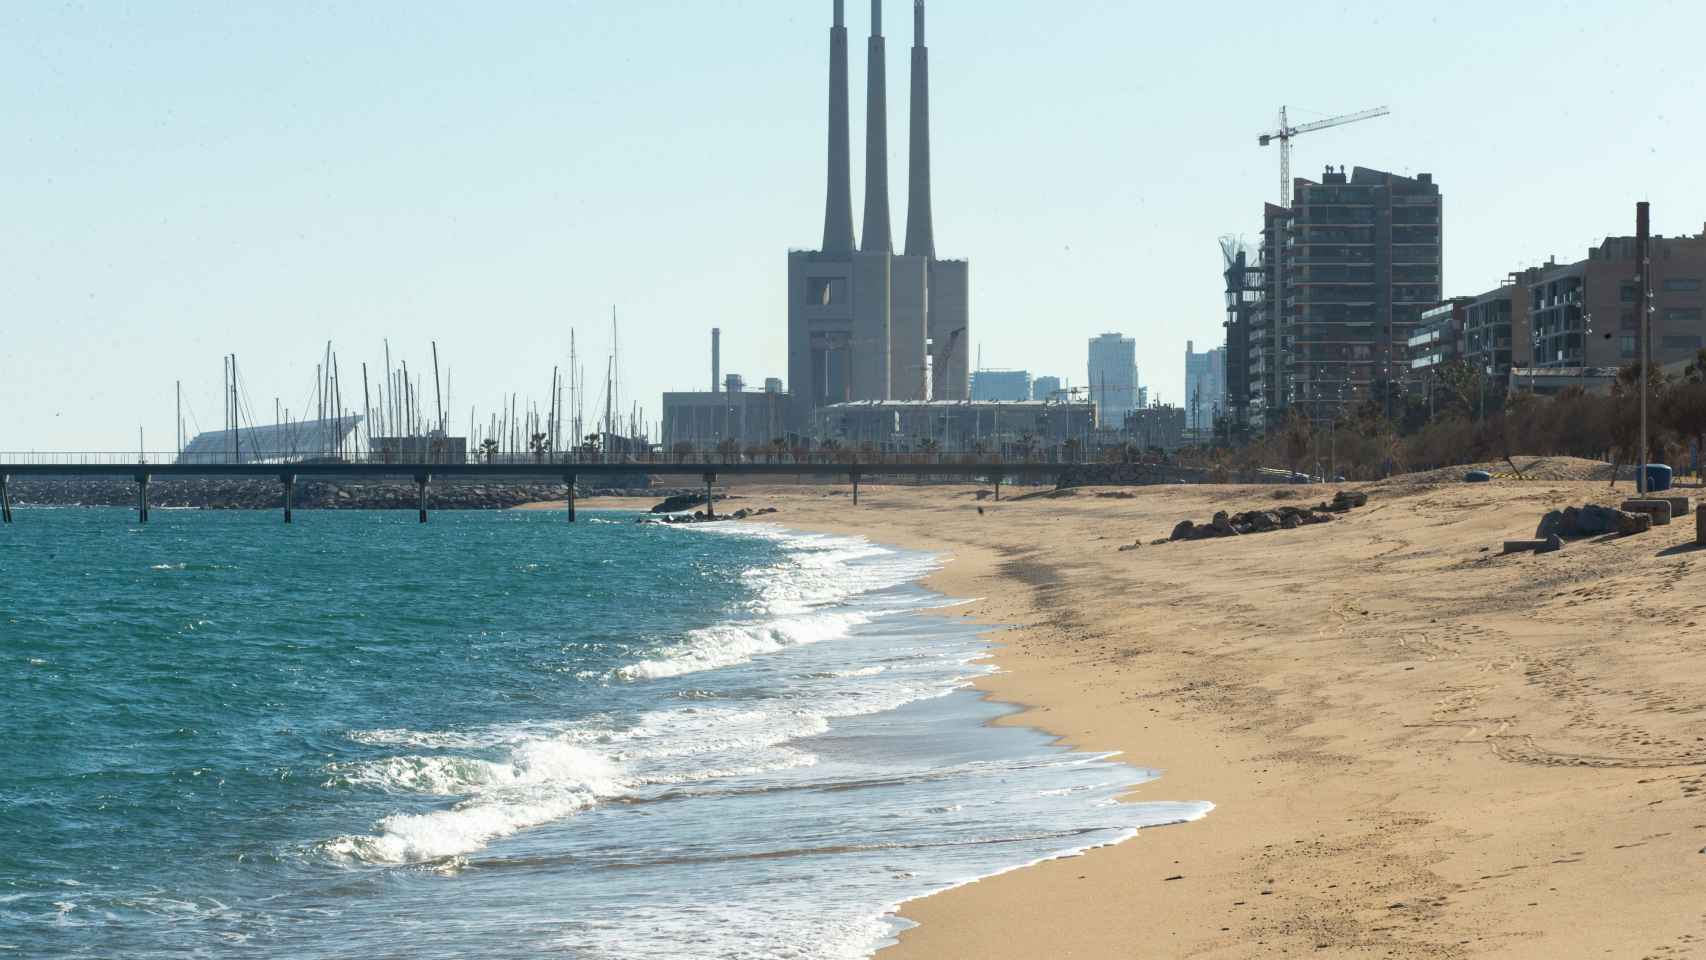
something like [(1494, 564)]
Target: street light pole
[(1642, 294)]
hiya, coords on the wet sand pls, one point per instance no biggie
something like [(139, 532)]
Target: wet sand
[(1417, 747)]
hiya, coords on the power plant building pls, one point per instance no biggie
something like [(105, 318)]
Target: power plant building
[(866, 323)]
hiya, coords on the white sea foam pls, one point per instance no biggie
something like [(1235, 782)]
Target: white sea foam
[(541, 781), (801, 599)]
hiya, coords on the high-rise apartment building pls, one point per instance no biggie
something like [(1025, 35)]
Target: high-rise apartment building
[(865, 322), (1246, 294), (1046, 388), (1205, 387), (1360, 262), (1113, 378)]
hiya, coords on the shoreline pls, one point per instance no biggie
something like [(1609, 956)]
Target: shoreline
[(1361, 700)]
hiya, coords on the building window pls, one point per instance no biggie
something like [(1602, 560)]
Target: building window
[(1682, 284), (1626, 293), (1626, 345), (825, 291), (1681, 342), (1685, 317)]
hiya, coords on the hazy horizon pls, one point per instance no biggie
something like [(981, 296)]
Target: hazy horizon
[(188, 180)]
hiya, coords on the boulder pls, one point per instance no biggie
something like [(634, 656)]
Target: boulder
[(1553, 544), (1550, 525), (1348, 500), (1222, 525), (1594, 520), (1290, 522), (1183, 530), (1263, 521)]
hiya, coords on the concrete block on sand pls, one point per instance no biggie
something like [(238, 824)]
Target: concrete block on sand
[(1700, 526), (1543, 545), (1659, 510), (1679, 506)]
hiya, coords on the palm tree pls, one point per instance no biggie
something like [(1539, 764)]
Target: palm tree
[(779, 447), (489, 447), (540, 444), (1071, 448), (1027, 443)]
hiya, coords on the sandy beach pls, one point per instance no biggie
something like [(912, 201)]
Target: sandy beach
[(1417, 747)]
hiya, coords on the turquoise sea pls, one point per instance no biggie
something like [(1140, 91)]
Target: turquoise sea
[(498, 735)]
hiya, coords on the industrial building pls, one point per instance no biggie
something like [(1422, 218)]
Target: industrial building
[(750, 418), (953, 427), (1159, 427), (1113, 378), (1005, 385), (865, 323), (727, 412)]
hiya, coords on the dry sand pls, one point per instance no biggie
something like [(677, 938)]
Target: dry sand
[(1416, 748)]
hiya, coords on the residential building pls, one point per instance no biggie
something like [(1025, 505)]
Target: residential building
[(1496, 331), (1245, 295), (1360, 263), (1046, 388), (1583, 313), (1004, 385), (1205, 387), (1436, 339), (1113, 378)]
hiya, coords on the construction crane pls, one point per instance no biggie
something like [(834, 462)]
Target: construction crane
[(1286, 131)]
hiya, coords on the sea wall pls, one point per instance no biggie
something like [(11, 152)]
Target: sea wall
[(255, 493)]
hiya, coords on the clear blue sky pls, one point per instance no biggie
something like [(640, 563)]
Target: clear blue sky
[(182, 180)]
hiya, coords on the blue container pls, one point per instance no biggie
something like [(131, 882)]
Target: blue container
[(1477, 476), (1658, 477)]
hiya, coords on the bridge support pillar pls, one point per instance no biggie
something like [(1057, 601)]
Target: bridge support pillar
[(142, 496), (710, 497), (5, 500), (421, 481), (855, 475), (569, 480), (289, 481), (998, 488)]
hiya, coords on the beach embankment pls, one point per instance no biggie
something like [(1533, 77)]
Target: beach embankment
[(1417, 746)]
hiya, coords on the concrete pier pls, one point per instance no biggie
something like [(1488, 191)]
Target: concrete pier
[(142, 496), (710, 497), (289, 481)]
